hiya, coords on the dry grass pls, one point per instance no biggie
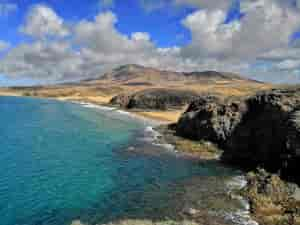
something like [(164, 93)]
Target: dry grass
[(101, 92)]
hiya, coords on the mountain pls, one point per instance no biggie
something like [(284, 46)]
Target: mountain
[(145, 87), (137, 73)]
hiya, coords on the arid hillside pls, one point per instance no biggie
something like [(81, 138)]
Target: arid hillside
[(131, 79)]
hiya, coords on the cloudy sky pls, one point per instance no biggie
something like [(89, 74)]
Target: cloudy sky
[(57, 40)]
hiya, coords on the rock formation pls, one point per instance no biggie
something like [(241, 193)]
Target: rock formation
[(160, 99), (262, 130), (272, 201), (211, 118)]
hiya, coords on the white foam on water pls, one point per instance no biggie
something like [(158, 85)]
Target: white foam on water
[(152, 136), (142, 119), (242, 216), (89, 105)]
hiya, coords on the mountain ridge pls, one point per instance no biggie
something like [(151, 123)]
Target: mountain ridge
[(135, 72)]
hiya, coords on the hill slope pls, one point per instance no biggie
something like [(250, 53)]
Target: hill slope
[(147, 88), (137, 73)]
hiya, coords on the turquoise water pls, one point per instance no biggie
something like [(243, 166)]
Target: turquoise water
[(61, 161)]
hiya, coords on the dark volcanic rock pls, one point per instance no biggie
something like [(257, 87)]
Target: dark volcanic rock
[(261, 138), (262, 130), (160, 99), (120, 100), (211, 118)]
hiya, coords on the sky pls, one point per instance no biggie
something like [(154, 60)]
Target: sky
[(56, 40)]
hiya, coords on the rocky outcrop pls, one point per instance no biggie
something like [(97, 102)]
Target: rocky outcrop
[(120, 100), (272, 201), (261, 138), (159, 99), (262, 130), (211, 118)]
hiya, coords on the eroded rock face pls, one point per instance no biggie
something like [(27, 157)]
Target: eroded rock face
[(121, 100), (211, 118), (261, 138), (159, 99), (262, 130)]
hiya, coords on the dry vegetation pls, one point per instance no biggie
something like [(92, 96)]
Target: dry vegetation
[(102, 90)]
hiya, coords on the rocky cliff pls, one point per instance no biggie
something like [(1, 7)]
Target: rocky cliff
[(211, 118), (262, 130), (159, 99)]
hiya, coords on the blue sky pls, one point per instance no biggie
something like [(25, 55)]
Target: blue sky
[(134, 18), (183, 35)]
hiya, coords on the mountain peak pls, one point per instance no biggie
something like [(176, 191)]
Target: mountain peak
[(138, 73)]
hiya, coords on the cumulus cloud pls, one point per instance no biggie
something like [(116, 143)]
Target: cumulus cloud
[(212, 36), (7, 8), (102, 36), (42, 60), (258, 44), (42, 22), (209, 33)]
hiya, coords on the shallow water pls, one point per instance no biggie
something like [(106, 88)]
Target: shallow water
[(61, 161)]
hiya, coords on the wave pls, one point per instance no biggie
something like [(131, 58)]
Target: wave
[(152, 136), (144, 120), (242, 216)]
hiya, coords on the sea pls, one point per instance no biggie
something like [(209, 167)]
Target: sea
[(65, 161)]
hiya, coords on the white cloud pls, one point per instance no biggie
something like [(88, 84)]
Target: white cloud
[(209, 33), (102, 36), (42, 22), (7, 8), (262, 35), (42, 61), (288, 64), (248, 38), (4, 45)]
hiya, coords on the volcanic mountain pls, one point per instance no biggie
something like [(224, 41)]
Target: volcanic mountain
[(140, 74)]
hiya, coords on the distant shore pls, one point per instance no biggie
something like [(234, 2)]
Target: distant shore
[(162, 117)]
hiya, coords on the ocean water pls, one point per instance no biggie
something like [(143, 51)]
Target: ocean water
[(61, 161)]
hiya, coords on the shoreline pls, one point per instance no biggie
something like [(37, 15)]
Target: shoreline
[(160, 140), (234, 185), (146, 115), (143, 115)]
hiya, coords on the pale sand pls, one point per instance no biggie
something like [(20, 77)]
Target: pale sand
[(10, 93), (170, 116), (159, 116), (88, 99), (165, 116)]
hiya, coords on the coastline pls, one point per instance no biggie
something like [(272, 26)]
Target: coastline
[(155, 116), (185, 149), (239, 187), (159, 138)]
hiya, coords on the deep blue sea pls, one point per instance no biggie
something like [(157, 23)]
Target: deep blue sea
[(61, 161)]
